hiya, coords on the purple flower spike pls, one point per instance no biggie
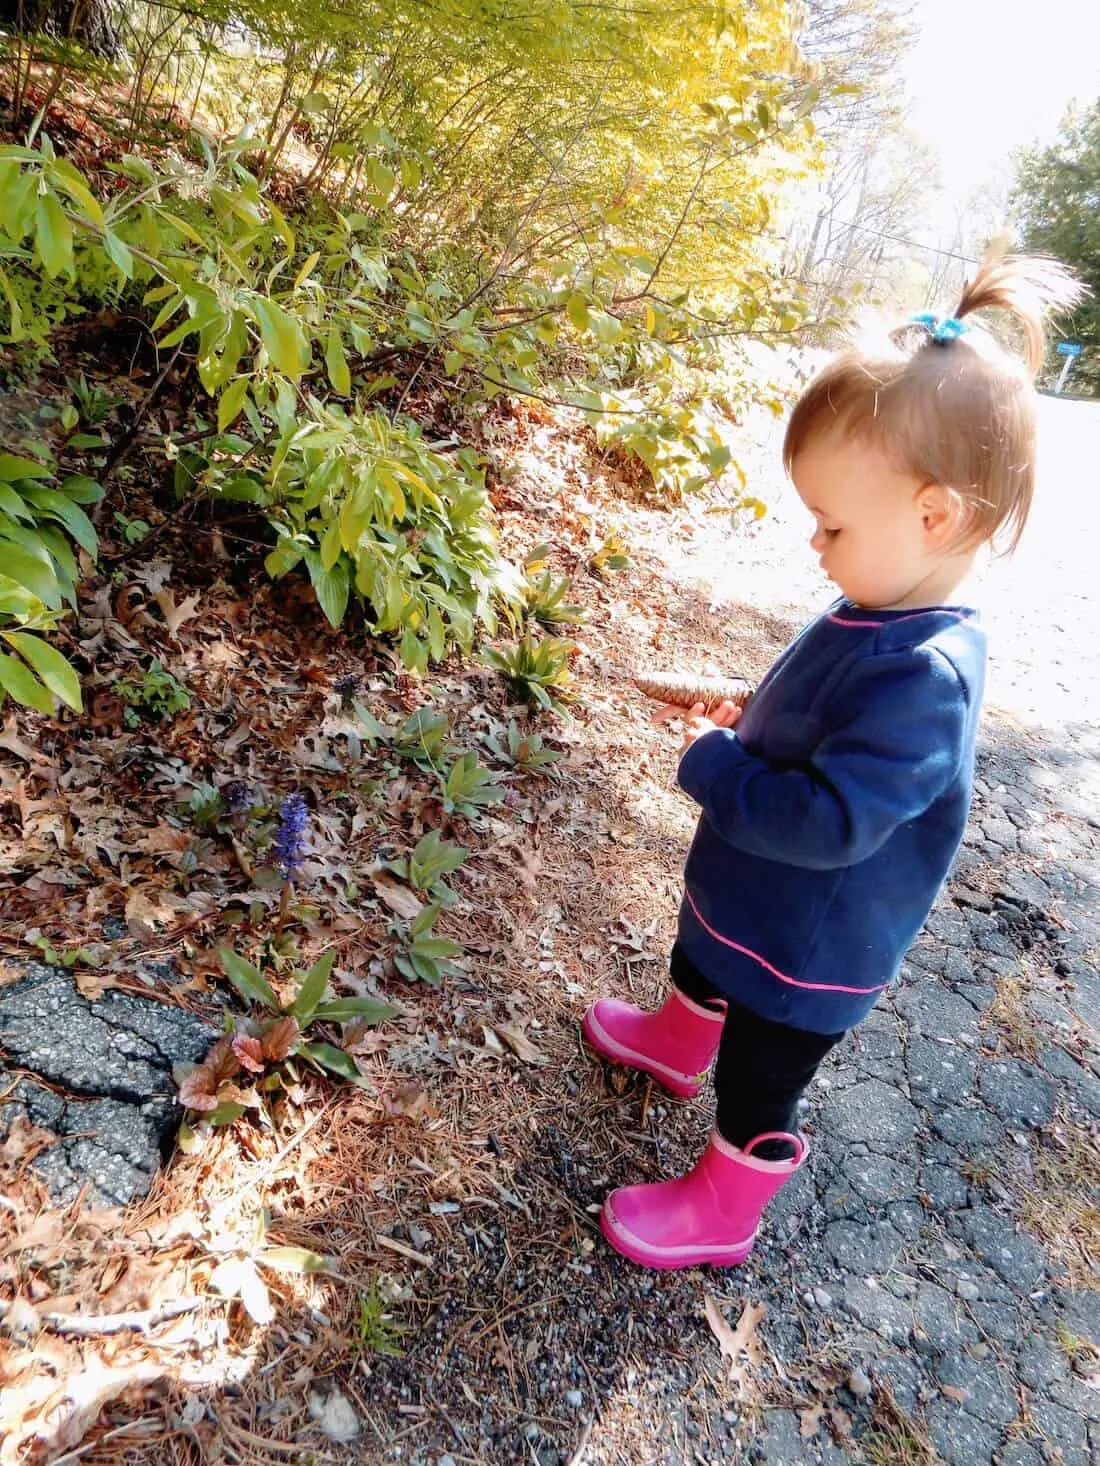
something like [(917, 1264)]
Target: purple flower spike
[(347, 686), (291, 842), (237, 796)]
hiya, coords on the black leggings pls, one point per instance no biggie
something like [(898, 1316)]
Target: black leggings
[(763, 1066)]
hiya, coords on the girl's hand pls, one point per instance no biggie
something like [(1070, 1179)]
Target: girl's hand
[(698, 721)]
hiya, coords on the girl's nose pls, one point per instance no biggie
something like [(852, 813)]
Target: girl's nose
[(818, 541)]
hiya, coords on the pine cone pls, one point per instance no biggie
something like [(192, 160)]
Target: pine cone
[(684, 691)]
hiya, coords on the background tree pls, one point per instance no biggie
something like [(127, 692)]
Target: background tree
[(1057, 198), (878, 181)]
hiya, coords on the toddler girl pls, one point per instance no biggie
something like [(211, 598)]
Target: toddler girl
[(831, 816)]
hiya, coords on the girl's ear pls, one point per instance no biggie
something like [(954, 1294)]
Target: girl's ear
[(945, 515)]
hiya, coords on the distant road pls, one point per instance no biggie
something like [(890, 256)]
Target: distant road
[(1042, 608)]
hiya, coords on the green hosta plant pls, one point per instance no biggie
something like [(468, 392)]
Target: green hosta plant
[(265, 1044), (421, 738), (425, 869), (420, 956), (536, 671), (469, 787), (523, 750), (205, 806)]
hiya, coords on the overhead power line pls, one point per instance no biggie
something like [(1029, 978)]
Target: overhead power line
[(934, 249)]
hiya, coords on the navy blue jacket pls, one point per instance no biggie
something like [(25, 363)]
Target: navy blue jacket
[(831, 815)]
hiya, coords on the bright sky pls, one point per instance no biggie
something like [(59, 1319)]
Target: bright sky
[(988, 76)]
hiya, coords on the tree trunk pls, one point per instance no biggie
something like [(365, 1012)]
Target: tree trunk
[(90, 22)]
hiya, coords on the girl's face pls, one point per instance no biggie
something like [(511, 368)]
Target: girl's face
[(881, 535)]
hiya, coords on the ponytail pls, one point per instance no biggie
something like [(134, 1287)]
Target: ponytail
[(1028, 287)]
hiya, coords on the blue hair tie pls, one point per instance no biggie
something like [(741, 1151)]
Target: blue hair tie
[(943, 329)]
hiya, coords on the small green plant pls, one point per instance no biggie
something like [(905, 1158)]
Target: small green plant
[(133, 531), (611, 555), (265, 1048), (91, 404), (469, 787), (536, 672), (206, 808), (421, 738), (420, 956), (156, 694), (377, 1332), (523, 750), (1082, 1353), (425, 868), (547, 604), (70, 957)]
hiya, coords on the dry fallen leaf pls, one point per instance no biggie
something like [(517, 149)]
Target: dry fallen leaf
[(11, 740), (144, 915), (164, 839), (520, 1044), (90, 983), (953, 1392), (335, 1416), (809, 1421), (23, 1139), (841, 1422), (397, 896), (175, 616), (411, 1101), (737, 1341)]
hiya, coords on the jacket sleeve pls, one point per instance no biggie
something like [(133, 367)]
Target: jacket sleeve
[(899, 732)]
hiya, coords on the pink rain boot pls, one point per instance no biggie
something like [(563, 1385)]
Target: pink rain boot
[(675, 1044), (709, 1215)]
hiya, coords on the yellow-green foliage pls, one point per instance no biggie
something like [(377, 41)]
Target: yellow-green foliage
[(560, 199)]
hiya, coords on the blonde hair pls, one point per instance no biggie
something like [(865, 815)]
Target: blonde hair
[(958, 411)]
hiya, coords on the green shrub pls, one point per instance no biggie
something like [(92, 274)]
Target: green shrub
[(373, 511), (38, 519)]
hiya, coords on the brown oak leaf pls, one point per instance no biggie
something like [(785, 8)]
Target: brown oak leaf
[(279, 1039), (250, 1052)]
